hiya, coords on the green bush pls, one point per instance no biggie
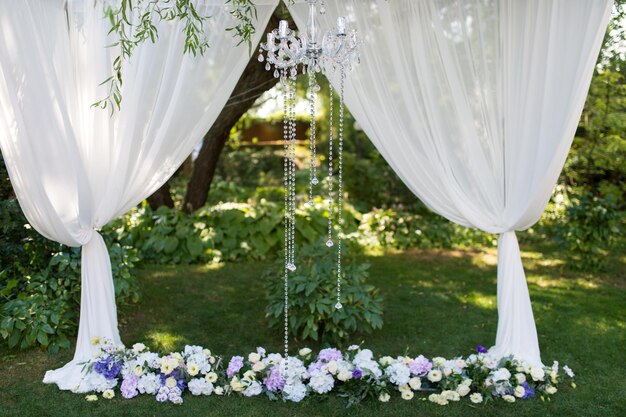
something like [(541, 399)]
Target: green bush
[(227, 231), (589, 230), (312, 297), (42, 305), (391, 229), (40, 280)]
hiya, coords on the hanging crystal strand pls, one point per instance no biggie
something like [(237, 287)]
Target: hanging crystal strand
[(287, 185), (292, 168), (340, 187), (313, 181), (329, 242)]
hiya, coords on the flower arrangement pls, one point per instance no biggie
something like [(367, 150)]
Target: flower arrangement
[(354, 374)]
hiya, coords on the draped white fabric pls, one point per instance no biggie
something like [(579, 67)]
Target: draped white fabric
[(74, 167), (474, 103)]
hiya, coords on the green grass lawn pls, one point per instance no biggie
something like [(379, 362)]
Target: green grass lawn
[(436, 303)]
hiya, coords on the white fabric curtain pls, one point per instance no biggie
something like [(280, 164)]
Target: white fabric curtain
[(474, 103), (74, 167)]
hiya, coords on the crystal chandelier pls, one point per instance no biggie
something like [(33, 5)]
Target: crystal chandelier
[(333, 55)]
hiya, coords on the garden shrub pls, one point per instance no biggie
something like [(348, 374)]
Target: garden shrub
[(589, 230), (312, 297), (227, 231)]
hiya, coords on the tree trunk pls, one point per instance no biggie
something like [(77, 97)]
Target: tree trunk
[(161, 197), (254, 81)]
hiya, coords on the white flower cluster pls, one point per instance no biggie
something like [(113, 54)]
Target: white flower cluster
[(479, 377)]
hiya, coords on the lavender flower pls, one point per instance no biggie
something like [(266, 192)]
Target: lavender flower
[(529, 392), (420, 366), (129, 387), (329, 354), (357, 374), (481, 349), (315, 366), (235, 364), (274, 381)]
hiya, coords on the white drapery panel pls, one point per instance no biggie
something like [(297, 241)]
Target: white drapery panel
[(74, 167), (474, 104)]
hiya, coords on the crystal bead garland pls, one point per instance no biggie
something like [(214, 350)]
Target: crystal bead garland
[(313, 89), (340, 185), (282, 53), (329, 242)]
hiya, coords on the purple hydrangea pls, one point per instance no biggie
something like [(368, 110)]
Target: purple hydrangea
[(357, 374), (481, 349), (420, 366), (529, 392), (235, 364), (329, 354), (315, 366), (274, 381), (107, 367), (129, 387)]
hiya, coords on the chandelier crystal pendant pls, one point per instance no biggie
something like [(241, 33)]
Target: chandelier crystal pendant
[(333, 55)]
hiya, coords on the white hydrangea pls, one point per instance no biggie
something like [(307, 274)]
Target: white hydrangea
[(321, 382), (398, 373), (364, 361), (200, 386), (149, 383), (253, 389), (295, 391), (501, 374)]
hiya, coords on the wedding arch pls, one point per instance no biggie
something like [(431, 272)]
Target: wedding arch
[(474, 104)]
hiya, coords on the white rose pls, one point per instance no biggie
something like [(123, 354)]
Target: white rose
[(551, 390), (254, 357), (170, 382), (447, 371), (139, 347), (519, 391), (508, 398), (476, 398), (463, 390), (415, 383), (249, 375), (438, 361), (304, 352), (537, 373), (138, 370), (404, 387), (207, 352), (344, 375), (332, 367), (521, 378), (91, 397), (434, 375), (407, 395), (386, 360), (384, 397), (236, 385), (553, 377), (258, 367), (467, 381), (218, 391), (451, 395)]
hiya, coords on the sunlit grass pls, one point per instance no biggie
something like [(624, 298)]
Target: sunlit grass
[(436, 303)]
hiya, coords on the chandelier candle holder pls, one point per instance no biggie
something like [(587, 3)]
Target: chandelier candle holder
[(333, 55)]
